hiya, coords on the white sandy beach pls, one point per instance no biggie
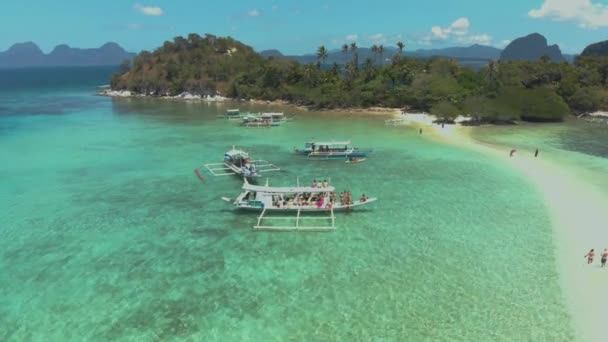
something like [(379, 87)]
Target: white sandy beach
[(579, 215)]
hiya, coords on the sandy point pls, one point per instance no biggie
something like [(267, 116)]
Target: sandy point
[(579, 218)]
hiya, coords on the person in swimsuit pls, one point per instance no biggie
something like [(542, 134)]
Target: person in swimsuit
[(320, 202), (604, 257), (512, 152), (536, 153), (590, 256)]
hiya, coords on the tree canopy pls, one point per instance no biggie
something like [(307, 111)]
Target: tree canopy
[(502, 91)]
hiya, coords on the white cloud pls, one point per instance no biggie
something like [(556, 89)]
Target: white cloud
[(377, 38), (351, 38), (254, 13), (439, 33), (483, 39), (584, 12), (461, 24), (460, 27), (504, 43), (148, 10), (457, 31)]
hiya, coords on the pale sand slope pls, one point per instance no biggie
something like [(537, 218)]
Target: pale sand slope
[(579, 215)]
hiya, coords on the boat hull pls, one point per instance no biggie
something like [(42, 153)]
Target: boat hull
[(310, 209), (334, 155)]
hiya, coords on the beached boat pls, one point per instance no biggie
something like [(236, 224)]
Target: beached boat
[(401, 120), (238, 162), (264, 120), (332, 150), (299, 200)]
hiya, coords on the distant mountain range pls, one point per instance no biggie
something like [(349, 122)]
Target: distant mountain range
[(596, 49), (28, 54), (530, 47), (472, 53)]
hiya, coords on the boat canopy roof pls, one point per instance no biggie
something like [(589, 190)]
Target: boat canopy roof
[(284, 190), (329, 143), (235, 153), (272, 114), (233, 111)]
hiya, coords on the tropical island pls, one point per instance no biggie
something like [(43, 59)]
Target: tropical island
[(503, 91)]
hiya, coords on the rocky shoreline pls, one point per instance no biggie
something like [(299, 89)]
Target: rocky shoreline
[(182, 96), (186, 96)]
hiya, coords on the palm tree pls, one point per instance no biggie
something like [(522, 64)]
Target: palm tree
[(400, 46), (335, 69), (309, 71), (351, 69), (354, 48), (374, 49), (492, 77), (345, 50), (492, 70), (381, 52), (321, 55), (368, 69)]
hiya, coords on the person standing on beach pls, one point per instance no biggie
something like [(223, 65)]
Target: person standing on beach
[(420, 131), (536, 153), (604, 257), (512, 152), (590, 256)]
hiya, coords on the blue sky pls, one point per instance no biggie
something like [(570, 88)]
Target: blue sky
[(295, 26)]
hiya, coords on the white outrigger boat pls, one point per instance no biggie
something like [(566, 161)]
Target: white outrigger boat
[(297, 200), (332, 150), (264, 120), (238, 162), (233, 114)]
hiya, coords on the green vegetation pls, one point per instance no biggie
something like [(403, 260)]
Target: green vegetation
[(501, 92)]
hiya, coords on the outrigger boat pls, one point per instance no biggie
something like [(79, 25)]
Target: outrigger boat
[(233, 114), (332, 150), (238, 162), (397, 121), (264, 120), (297, 200)]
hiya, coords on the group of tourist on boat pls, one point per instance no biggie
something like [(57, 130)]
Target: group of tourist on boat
[(326, 148), (318, 199), (316, 184)]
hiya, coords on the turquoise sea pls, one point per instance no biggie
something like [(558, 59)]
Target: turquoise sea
[(107, 234)]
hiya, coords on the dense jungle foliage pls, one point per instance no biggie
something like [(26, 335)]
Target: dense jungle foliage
[(500, 92)]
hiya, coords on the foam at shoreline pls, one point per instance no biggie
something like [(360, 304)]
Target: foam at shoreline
[(578, 214)]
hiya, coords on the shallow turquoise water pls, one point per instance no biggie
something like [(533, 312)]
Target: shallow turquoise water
[(578, 145), (107, 234)]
